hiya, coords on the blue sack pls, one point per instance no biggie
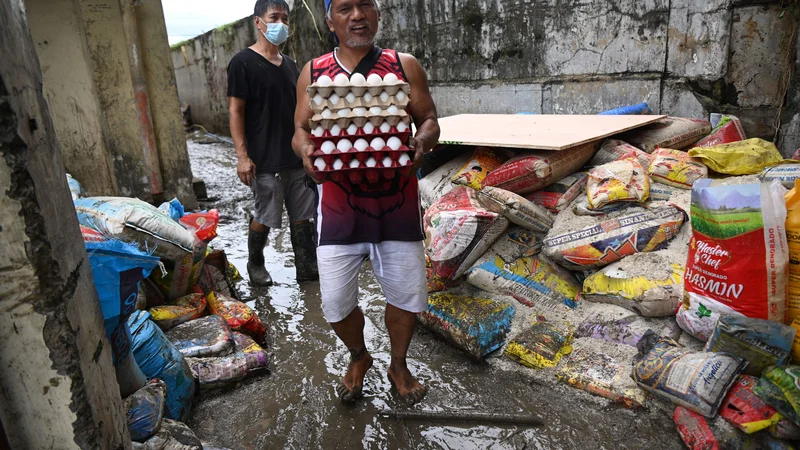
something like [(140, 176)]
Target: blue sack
[(159, 358)]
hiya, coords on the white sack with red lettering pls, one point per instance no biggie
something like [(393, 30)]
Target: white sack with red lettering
[(738, 256)]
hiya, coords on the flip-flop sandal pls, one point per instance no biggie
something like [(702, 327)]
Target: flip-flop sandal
[(410, 399)]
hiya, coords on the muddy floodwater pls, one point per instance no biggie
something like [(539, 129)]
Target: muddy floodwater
[(296, 406)]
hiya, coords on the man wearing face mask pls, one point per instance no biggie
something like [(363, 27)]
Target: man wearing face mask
[(262, 94)]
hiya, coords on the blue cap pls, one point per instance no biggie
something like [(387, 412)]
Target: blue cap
[(328, 5)]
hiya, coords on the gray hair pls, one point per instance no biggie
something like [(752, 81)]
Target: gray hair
[(328, 12)]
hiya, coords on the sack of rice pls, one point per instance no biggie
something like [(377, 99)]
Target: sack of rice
[(436, 184), (670, 132), (614, 150), (619, 181), (516, 209), (557, 196), (676, 168), (483, 161), (541, 345)]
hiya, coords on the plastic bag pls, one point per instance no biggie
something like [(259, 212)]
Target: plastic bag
[(239, 316), (694, 380), (533, 281), (599, 374), (207, 336), (669, 132), (257, 358), (728, 130), (558, 196), (184, 309), (172, 436), (215, 275), (614, 150), (739, 158), (145, 410), (676, 168), (785, 173), (202, 224), (458, 230), (745, 410), (773, 395), (75, 188), (483, 161), (158, 358), (619, 181), (531, 171), (516, 209), (787, 380), (541, 346), (633, 230), (478, 326), (135, 222), (173, 208), (649, 295), (438, 183), (698, 434), (738, 256), (762, 343)]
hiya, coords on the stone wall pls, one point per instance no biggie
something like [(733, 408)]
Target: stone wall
[(683, 57)]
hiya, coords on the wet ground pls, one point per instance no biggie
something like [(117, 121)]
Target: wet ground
[(296, 407)]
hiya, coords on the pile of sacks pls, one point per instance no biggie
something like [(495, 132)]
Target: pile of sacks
[(170, 311), (650, 266)]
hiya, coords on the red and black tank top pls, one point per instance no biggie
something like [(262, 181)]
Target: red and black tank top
[(388, 210)]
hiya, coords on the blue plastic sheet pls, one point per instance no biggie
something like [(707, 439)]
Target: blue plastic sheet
[(639, 109), (158, 358)]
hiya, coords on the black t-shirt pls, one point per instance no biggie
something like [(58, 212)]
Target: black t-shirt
[(270, 93)]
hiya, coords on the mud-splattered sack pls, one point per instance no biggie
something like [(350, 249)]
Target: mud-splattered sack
[(619, 181), (516, 209), (762, 343), (207, 336), (173, 435), (516, 242), (773, 395), (786, 174), (542, 345), (699, 433), (144, 410), (458, 230), (483, 161), (184, 309), (531, 171), (640, 230), (478, 326), (257, 358), (670, 132), (438, 183), (558, 196), (533, 281), (739, 158), (728, 130), (600, 374), (627, 330), (785, 429), (239, 316), (738, 256), (676, 168), (694, 380), (614, 150), (217, 276), (745, 410)]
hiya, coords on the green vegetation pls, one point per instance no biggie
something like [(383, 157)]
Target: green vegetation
[(178, 45), (227, 33), (726, 224)]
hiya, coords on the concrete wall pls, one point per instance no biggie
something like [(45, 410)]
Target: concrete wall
[(683, 57), (57, 385), (108, 136)]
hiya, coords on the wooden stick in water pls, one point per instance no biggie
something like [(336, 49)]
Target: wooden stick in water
[(462, 416)]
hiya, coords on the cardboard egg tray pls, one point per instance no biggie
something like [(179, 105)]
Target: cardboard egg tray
[(358, 91), (318, 141), (350, 100)]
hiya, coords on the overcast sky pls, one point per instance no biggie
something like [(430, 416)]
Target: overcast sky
[(189, 18)]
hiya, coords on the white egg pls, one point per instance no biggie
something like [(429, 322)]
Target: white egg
[(338, 164), (334, 99), (318, 99), (344, 145), (370, 162), (319, 131), (390, 78), (387, 162), (367, 97), (328, 147), (341, 80), (354, 164), (374, 80), (402, 127), (361, 145), (384, 96), (404, 159), (319, 163), (393, 110), (360, 112), (344, 112), (394, 143), (336, 130), (357, 79), (352, 130), (375, 110), (327, 113), (350, 98), (378, 143), (400, 96), (369, 128), (324, 81), (385, 127)]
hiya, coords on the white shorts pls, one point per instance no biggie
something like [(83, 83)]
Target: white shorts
[(399, 268)]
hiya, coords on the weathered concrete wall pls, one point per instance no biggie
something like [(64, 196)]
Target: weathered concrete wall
[(57, 385)]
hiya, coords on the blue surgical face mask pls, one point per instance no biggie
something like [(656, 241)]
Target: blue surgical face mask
[(277, 33)]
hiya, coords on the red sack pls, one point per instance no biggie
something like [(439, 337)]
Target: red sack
[(745, 410), (728, 130), (203, 224), (239, 316)]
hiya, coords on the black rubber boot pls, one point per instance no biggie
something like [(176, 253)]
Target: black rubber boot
[(305, 251), (256, 241)]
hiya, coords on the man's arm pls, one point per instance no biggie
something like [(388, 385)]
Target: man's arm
[(301, 143), (421, 108), (245, 167)]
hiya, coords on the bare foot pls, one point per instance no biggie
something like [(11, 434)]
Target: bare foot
[(409, 390), (351, 386)]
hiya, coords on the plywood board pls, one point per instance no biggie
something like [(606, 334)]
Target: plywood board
[(541, 132)]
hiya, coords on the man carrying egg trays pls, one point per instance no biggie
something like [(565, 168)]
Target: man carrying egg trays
[(360, 126)]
